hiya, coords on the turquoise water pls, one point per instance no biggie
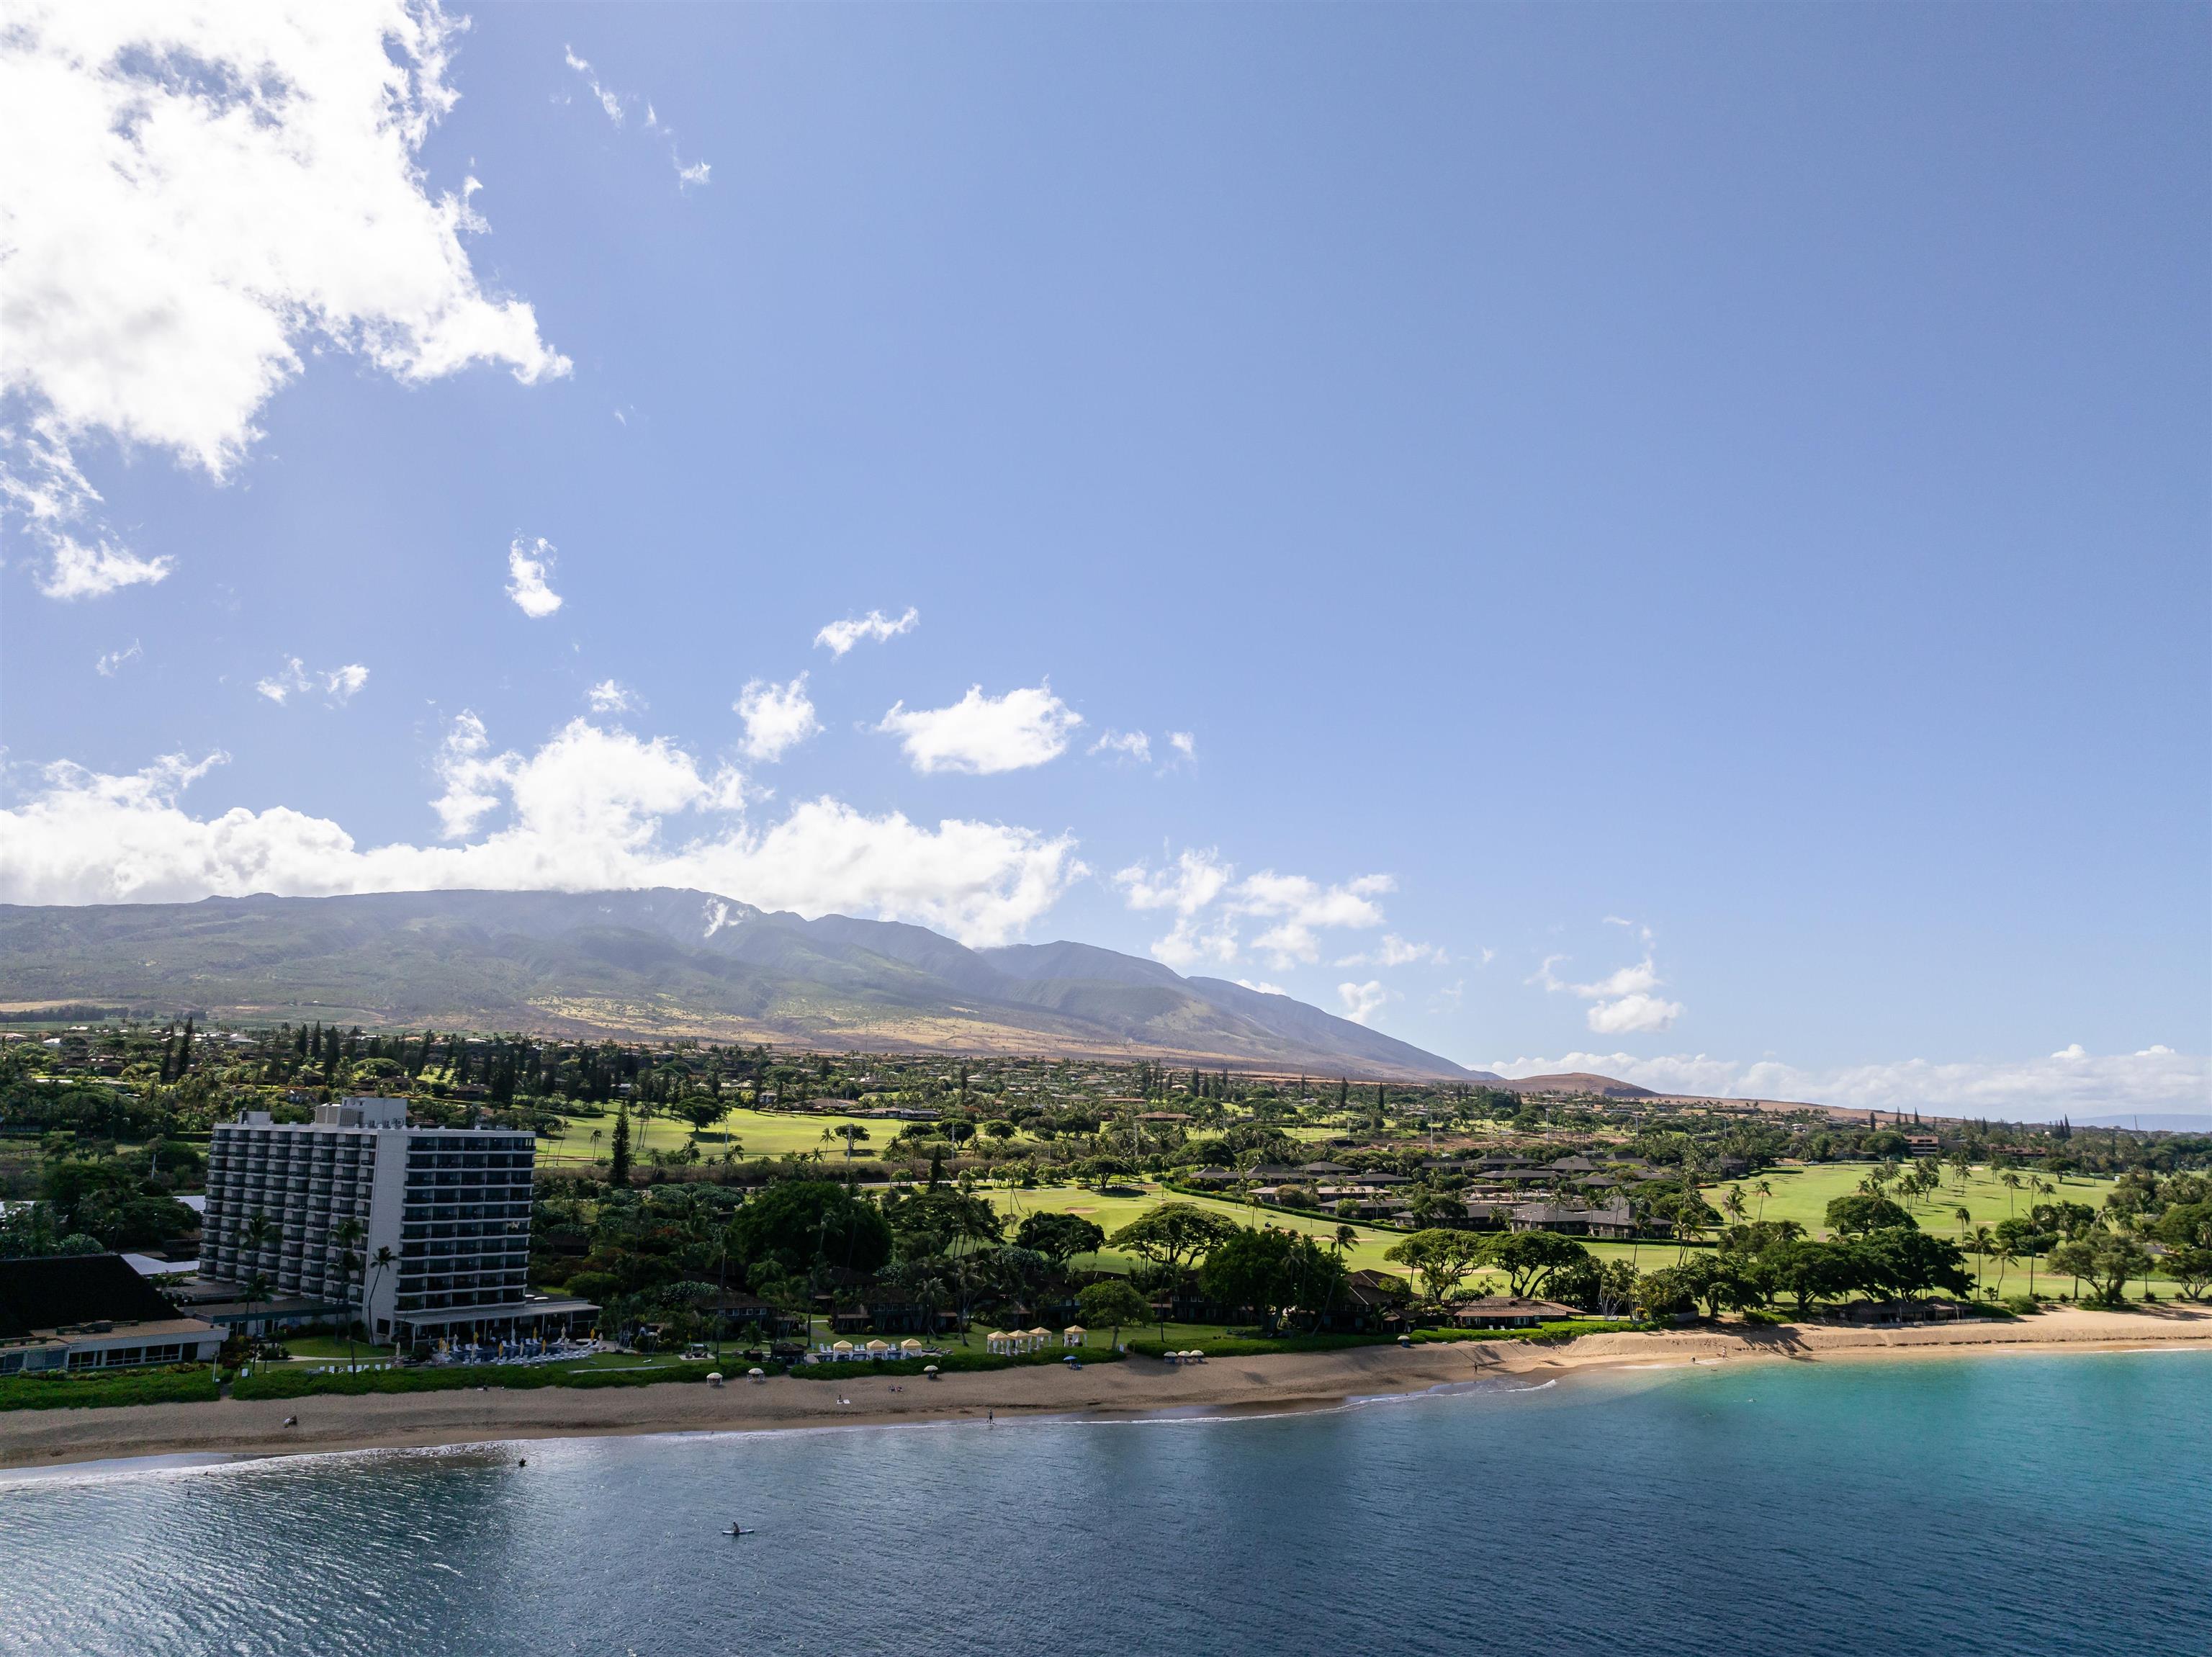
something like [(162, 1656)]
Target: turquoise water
[(2017, 1505)]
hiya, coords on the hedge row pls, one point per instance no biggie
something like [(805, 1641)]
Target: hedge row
[(1262, 1346), (308, 1383), (183, 1384)]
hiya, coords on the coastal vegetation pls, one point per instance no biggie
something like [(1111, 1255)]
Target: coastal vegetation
[(774, 1200)]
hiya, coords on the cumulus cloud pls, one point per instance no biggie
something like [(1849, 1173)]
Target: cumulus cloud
[(589, 809), (778, 717), (1132, 746), (1264, 988), (980, 735), (611, 696), (1394, 951), (529, 570), (1300, 908), (2068, 1083), (875, 627), (113, 662), (339, 685), (1210, 906), (78, 571), (1363, 1000), (1184, 743), (193, 194), (1186, 886), (1622, 1002)]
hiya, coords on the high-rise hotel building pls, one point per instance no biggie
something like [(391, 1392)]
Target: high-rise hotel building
[(451, 1204)]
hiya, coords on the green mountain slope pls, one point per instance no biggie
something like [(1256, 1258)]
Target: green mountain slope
[(663, 962)]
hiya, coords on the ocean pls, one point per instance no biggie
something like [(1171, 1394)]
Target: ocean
[(2015, 1505)]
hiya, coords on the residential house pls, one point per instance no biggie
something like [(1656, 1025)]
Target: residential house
[(1614, 1219), (1508, 1312)]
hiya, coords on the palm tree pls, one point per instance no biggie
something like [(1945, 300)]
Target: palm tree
[(2012, 1182), (257, 1289), (1763, 1189), (1347, 1236), (2005, 1258), (1965, 1217), (1733, 1202), (346, 1234), (381, 1262), (1984, 1242), (595, 1144)]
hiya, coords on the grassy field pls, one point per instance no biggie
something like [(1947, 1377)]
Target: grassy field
[(1112, 1213), (1802, 1193), (760, 1133)]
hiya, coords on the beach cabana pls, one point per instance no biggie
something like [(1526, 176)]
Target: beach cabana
[(909, 1348), (756, 1375), (1039, 1339), (1073, 1335), (879, 1350), (841, 1351), (998, 1341)]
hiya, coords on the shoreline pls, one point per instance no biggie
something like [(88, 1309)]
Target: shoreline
[(1133, 1389)]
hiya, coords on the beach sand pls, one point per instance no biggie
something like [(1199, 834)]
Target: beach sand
[(1135, 1386)]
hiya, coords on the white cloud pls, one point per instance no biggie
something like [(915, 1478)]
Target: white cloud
[(195, 192), (2073, 1049), (980, 735), (2155, 1080), (79, 571), (839, 637), (1186, 886), (1394, 951), (608, 100), (1300, 908), (529, 569), (1264, 988), (339, 685), (1132, 746), (778, 717), (111, 663), (1623, 1001), (611, 696), (616, 106), (1632, 1013), (590, 809), (1184, 743), (1194, 880), (1363, 1000)]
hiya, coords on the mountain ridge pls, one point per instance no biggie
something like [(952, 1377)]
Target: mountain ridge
[(669, 961)]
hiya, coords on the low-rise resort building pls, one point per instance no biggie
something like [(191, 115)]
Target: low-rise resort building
[(73, 1312)]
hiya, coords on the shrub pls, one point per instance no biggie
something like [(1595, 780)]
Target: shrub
[(308, 1383), (180, 1384)]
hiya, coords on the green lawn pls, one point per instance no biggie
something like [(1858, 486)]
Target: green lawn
[(1112, 1213), (323, 1347), (1802, 1193), (760, 1133)]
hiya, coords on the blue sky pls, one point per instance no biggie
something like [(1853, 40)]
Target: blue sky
[(1675, 539)]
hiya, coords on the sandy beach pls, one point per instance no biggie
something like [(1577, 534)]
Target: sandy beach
[(35, 1438)]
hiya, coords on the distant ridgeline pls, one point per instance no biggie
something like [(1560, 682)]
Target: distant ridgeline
[(660, 963)]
